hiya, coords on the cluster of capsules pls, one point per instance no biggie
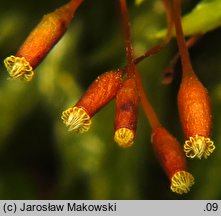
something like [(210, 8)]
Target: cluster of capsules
[(125, 86)]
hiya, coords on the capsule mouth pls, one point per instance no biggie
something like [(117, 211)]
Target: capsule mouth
[(198, 147), (19, 68), (124, 137), (181, 182), (76, 119)]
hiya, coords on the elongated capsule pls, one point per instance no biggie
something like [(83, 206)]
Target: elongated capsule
[(172, 159), (40, 41), (195, 115), (100, 92), (126, 113), (193, 100)]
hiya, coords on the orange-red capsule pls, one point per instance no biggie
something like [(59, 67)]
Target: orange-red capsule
[(126, 113), (172, 159), (40, 41), (193, 100), (195, 115), (100, 92)]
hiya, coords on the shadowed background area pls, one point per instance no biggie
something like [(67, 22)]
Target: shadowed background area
[(40, 159)]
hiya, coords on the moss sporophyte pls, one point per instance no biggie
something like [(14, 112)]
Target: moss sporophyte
[(126, 113), (125, 86), (193, 101), (100, 92), (172, 159), (40, 41)]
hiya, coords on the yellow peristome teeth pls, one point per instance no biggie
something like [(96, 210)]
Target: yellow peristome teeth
[(76, 119), (124, 137), (198, 146), (181, 182), (19, 68)]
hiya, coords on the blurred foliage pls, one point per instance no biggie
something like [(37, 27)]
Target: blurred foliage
[(40, 159), (206, 16)]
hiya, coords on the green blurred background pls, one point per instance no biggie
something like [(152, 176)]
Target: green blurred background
[(40, 159)]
